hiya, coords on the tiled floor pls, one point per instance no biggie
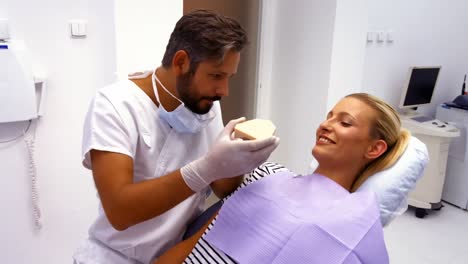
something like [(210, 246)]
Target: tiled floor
[(439, 238)]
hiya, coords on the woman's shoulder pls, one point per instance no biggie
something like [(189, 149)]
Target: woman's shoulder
[(264, 170)]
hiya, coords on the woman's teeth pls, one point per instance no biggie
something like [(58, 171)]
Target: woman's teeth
[(324, 140)]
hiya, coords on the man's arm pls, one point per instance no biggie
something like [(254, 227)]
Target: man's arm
[(224, 187), (179, 252), (127, 203)]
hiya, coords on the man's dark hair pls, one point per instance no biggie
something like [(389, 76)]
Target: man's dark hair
[(204, 35)]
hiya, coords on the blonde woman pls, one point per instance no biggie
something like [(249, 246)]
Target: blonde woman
[(317, 218)]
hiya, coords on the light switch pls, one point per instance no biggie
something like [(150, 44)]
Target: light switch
[(380, 36), (4, 34), (78, 28), (370, 36), (389, 36)]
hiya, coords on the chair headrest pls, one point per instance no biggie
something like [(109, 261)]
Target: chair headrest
[(393, 185)]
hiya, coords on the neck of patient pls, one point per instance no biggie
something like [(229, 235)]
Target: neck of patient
[(344, 177)]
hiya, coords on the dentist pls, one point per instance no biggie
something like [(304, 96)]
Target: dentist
[(156, 144)]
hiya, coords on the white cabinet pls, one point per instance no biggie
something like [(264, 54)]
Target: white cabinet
[(456, 181), (436, 135)]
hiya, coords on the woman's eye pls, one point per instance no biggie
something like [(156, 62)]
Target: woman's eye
[(345, 124)]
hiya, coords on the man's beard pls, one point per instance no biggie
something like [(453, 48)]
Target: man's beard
[(186, 88)]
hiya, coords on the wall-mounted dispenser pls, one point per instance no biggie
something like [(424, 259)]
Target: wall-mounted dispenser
[(18, 100), (21, 99)]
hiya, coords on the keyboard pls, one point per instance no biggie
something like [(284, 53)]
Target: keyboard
[(422, 119)]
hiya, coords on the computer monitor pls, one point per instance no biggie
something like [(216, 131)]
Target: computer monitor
[(419, 86)]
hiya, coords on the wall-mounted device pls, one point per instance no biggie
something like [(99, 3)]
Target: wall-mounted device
[(21, 99), (18, 99)]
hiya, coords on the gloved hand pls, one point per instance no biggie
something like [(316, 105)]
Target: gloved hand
[(229, 157)]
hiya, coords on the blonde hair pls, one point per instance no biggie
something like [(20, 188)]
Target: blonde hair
[(386, 126)]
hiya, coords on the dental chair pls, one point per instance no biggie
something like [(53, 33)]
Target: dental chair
[(391, 186)]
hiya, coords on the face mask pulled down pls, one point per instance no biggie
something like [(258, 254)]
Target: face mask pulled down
[(182, 119)]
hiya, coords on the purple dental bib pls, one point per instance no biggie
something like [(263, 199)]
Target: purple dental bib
[(284, 218)]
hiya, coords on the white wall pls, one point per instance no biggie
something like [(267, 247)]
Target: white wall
[(426, 32), (348, 52), (75, 68), (300, 50), (143, 28)]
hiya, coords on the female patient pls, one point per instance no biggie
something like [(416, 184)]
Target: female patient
[(309, 219)]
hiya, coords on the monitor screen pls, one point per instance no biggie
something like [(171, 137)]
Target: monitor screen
[(420, 86)]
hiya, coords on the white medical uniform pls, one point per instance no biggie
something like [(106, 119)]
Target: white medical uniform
[(123, 119)]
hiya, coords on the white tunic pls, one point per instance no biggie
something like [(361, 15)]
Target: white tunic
[(123, 119)]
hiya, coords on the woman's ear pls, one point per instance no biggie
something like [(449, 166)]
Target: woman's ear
[(181, 62), (377, 148)]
